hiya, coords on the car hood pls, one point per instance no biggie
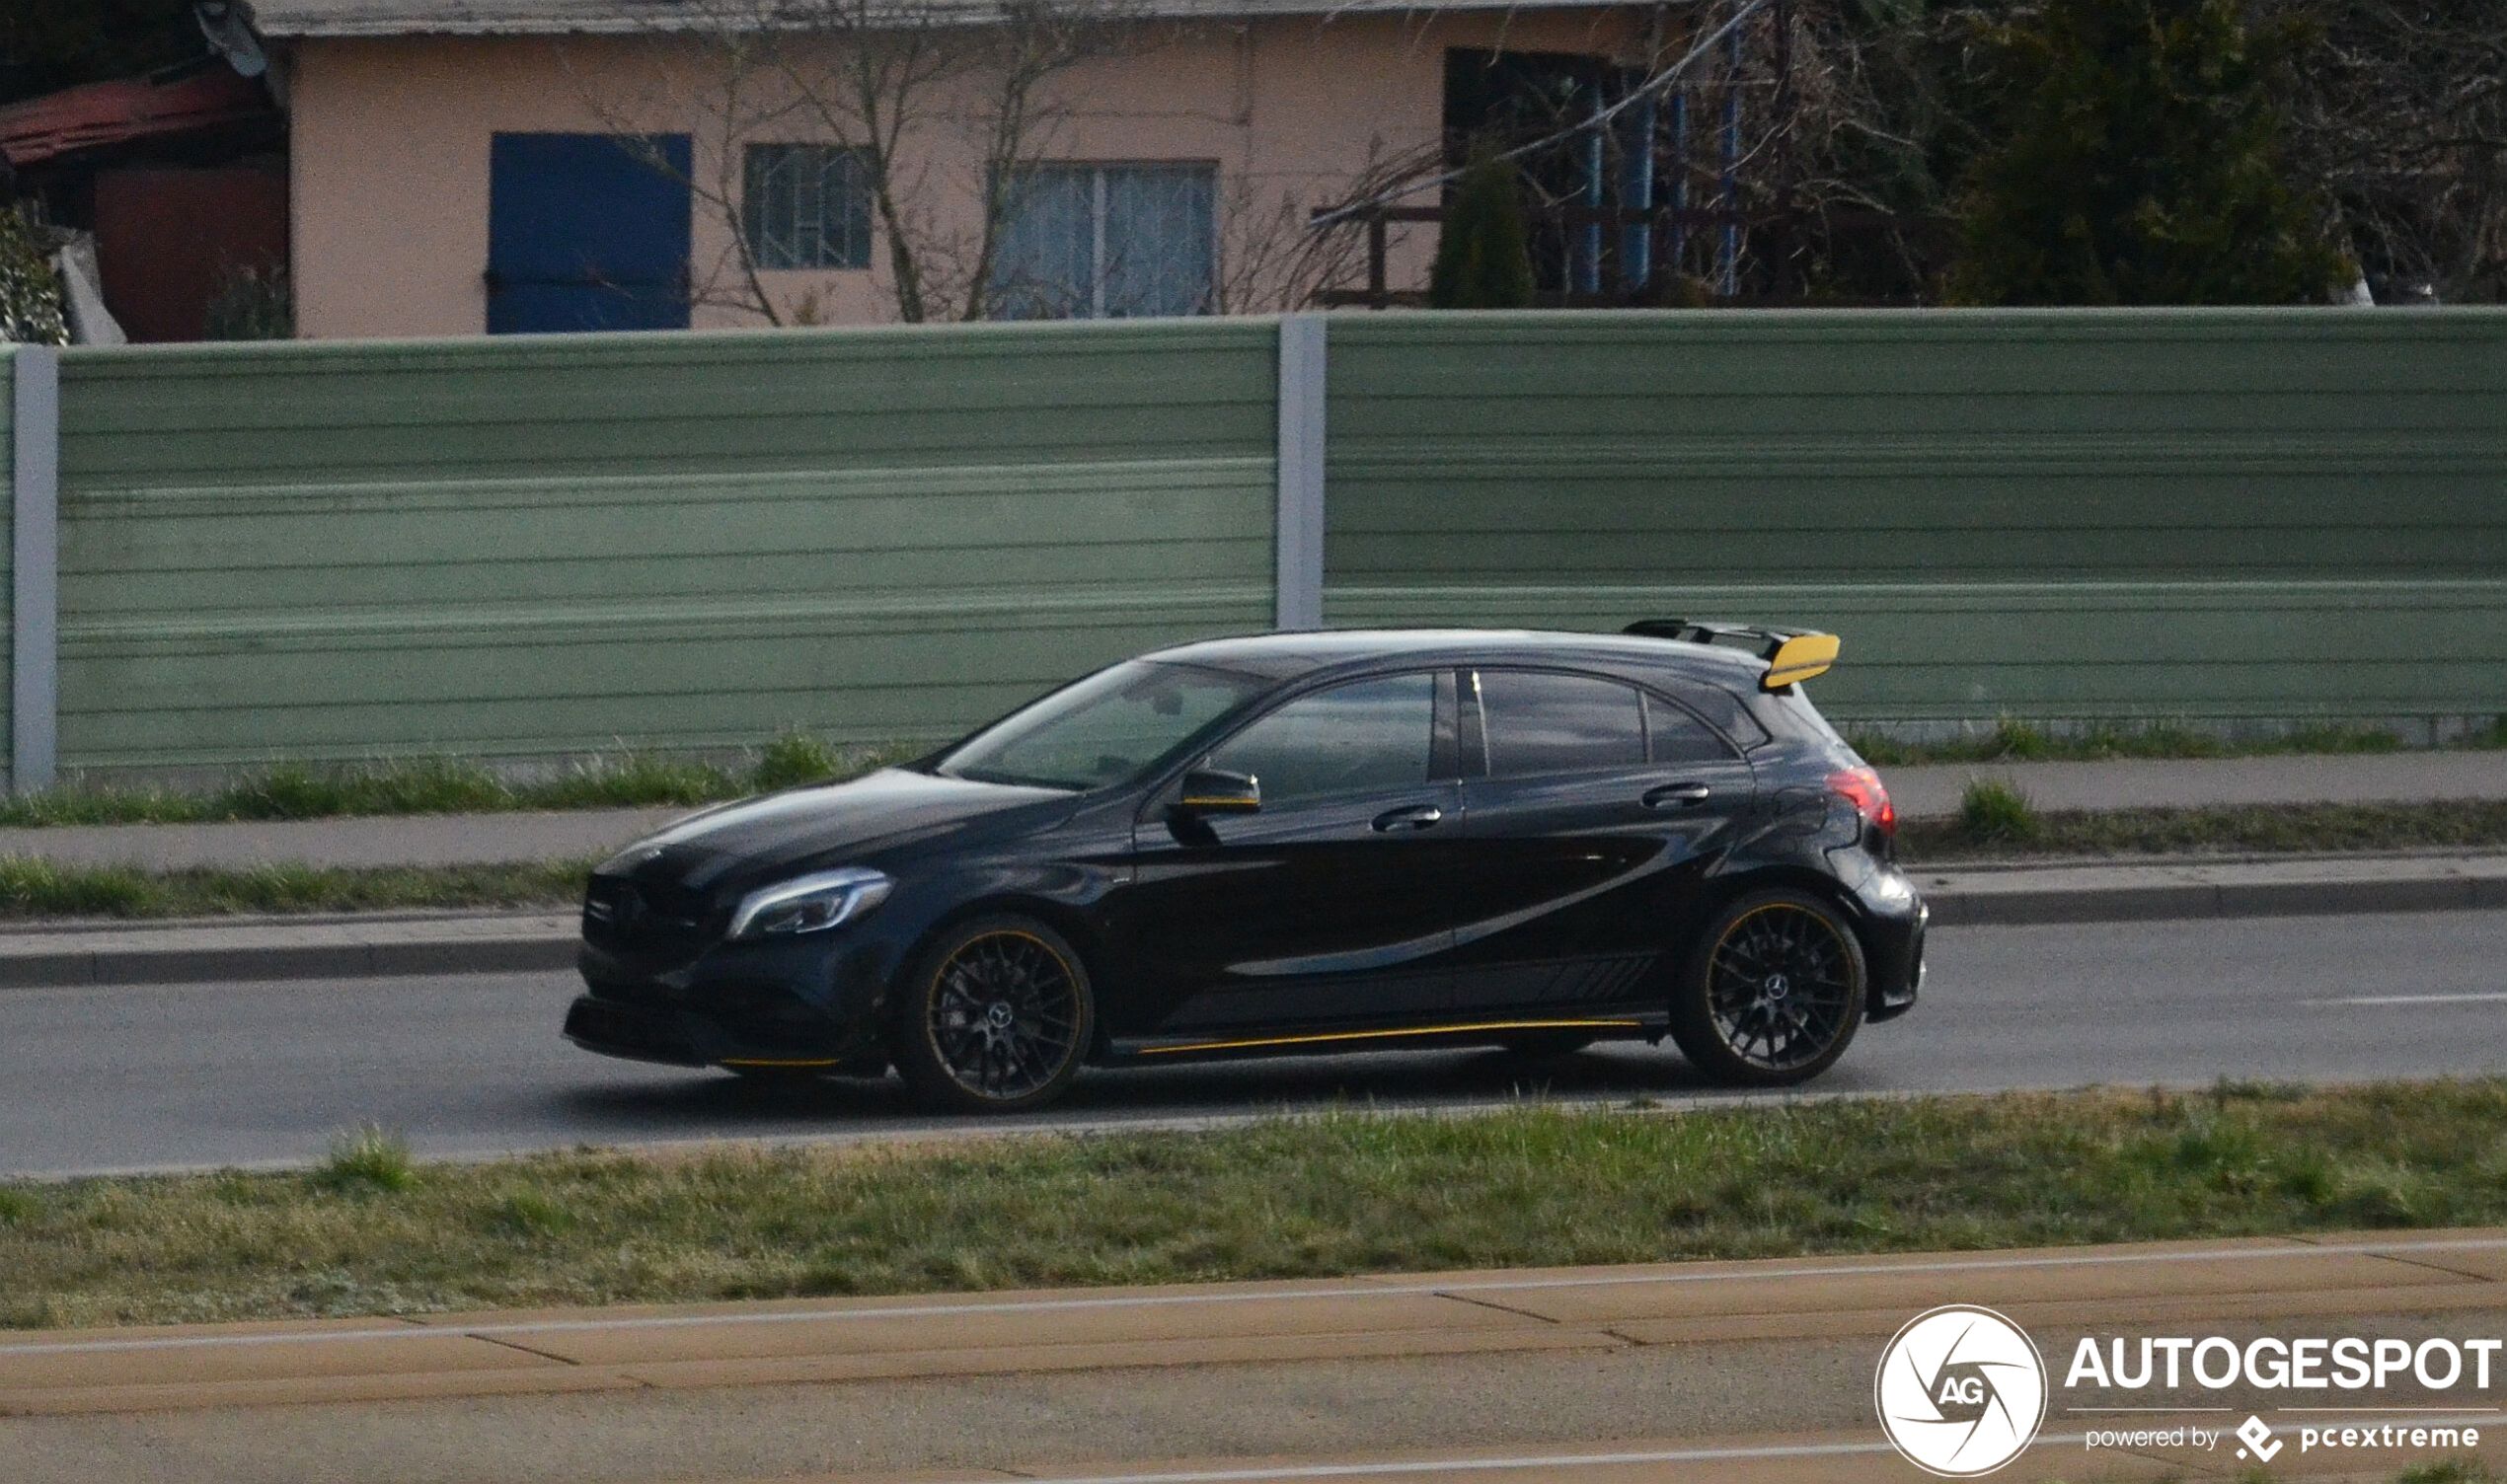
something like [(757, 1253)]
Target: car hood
[(801, 829)]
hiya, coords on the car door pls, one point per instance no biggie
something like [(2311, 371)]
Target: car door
[(1331, 906), (1591, 806)]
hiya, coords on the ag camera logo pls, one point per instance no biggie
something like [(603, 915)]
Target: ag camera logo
[(1961, 1391)]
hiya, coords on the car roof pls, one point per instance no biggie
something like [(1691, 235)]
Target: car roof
[(1291, 654)]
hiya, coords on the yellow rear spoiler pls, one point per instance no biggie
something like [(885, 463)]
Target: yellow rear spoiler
[(1791, 654)]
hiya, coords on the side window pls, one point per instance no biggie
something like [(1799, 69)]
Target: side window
[(1369, 734), (1678, 737), (1725, 711), (1537, 722)]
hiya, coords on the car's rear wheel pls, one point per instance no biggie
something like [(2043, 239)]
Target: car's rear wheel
[(1771, 993), (997, 1018)]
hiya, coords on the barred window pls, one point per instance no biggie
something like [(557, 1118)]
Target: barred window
[(805, 206), (1090, 242)]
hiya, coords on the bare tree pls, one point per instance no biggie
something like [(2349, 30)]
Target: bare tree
[(2399, 112), (2396, 110), (917, 92), (1271, 254)]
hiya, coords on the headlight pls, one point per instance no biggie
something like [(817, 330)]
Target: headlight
[(810, 904)]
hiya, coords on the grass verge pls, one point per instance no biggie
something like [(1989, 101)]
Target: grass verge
[(454, 786), (1336, 1194), (1997, 822), (30, 889), (2015, 741)]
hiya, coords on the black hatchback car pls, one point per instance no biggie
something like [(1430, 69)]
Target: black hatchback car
[(1292, 843)]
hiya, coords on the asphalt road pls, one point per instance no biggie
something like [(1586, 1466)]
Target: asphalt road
[(132, 1078)]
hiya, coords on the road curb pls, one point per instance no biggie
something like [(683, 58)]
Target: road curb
[(493, 955), (2193, 900), (264, 949)]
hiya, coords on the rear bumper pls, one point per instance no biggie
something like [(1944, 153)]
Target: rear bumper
[(1890, 920), (1895, 984)]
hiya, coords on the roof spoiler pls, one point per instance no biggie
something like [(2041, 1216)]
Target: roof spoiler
[(1791, 654)]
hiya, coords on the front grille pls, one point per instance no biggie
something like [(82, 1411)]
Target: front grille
[(641, 919)]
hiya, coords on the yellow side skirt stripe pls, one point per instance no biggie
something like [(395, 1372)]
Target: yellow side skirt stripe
[(1380, 1035), (772, 1062)]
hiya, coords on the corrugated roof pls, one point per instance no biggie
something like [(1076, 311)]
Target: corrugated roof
[(102, 114), (392, 18)]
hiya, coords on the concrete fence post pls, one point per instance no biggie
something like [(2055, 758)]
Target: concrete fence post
[(35, 642), (1300, 549)]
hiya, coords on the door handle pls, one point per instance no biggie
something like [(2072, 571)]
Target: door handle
[(1408, 817), (1675, 795)]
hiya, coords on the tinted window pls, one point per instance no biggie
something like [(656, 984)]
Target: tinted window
[(1725, 711), (1537, 723), (1678, 737), (1103, 729), (1367, 735)]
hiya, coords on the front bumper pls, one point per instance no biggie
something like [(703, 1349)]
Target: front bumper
[(801, 1004)]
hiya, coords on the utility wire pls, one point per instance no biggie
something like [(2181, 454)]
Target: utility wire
[(1650, 86)]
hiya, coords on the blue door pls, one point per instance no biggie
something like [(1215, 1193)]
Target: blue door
[(587, 232)]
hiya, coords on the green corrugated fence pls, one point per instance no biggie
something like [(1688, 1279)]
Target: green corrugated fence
[(548, 546), (558, 545), (2053, 515)]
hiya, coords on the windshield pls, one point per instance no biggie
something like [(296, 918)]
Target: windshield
[(1105, 729)]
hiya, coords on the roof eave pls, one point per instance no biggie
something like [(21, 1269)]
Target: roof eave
[(382, 28)]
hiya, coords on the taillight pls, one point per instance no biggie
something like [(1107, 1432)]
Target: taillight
[(1861, 787)]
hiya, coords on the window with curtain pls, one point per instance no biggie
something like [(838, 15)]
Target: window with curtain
[(1086, 242)]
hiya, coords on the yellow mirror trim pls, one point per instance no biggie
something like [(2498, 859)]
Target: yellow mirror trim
[(1799, 658)]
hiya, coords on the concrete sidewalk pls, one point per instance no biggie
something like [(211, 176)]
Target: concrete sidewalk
[(243, 949), (1721, 1370), (1919, 793), (775, 1342)]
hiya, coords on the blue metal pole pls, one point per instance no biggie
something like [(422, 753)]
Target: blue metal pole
[(1588, 258), (1680, 182), (1728, 270), (1636, 243)]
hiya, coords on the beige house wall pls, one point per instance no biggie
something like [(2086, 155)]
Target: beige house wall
[(390, 148)]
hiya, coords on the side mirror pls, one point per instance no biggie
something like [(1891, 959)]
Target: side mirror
[(1214, 791)]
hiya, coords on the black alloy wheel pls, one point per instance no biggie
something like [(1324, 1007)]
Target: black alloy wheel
[(1773, 993), (999, 1017)]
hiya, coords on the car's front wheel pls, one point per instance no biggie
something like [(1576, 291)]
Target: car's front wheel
[(1772, 991), (997, 1018)]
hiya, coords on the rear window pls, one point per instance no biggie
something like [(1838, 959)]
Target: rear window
[(1794, 714)]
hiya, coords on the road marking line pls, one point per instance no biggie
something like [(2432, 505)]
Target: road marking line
[(1584, 1461), (2478, 998), (2485, 1411), (1357, 1290)]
